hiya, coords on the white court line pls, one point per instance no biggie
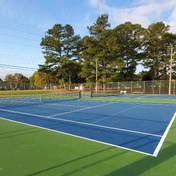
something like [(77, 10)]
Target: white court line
[(106, 127), (111, 128), (120, 112), (84, 123), (113, 145), (56, 104), (160, 104), (78, 110), (23, 113), (164, 136)]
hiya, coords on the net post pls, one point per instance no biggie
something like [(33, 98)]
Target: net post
[(40, 99), (80, 94), (91, 93)]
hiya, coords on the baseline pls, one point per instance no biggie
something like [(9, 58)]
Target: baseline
[(73, 135), (164, 136)]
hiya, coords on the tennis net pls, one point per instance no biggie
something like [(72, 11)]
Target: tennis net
[(34, 99), (107, 93)]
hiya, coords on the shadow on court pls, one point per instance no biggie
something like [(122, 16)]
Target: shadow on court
[(11, 134), (78, 159), (135, 169), (94, 164), (141, 166), (16, 133)]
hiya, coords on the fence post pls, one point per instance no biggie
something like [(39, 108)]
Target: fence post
[(174, 88), (160, 87), (144, 88), (153, 86), (80, 94)]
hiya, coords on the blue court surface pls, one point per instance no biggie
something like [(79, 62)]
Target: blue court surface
[(151, 96), (139, 127)]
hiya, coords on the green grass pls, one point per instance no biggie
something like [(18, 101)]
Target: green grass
[(29, 92), (23, 92), (142, 100), (27, 151)]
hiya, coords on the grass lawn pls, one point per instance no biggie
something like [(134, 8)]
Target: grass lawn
[(142, 100), (30, 151)]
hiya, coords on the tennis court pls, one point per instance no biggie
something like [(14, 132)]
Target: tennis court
[(135, 126)]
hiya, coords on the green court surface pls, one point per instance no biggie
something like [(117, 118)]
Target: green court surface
[(30, 151), (153, 98)]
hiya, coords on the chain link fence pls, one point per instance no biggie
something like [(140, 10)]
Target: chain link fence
[(136, 87)]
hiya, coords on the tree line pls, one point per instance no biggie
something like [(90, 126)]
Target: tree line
[(106, 55), (14, 80)]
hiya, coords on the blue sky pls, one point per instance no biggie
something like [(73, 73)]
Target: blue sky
[(23, 23)]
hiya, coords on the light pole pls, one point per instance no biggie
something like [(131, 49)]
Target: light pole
[(170, 75)]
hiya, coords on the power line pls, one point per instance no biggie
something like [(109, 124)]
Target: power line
[(10, 58), (23, 57), (18, 67), (18, 44), (19, 30), (20, 61), (18, 37)]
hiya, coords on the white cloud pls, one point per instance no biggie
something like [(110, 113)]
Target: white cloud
[(172, 21), (144, 12), (95, 3)]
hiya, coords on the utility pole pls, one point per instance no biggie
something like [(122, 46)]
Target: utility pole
[(170, 75)]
